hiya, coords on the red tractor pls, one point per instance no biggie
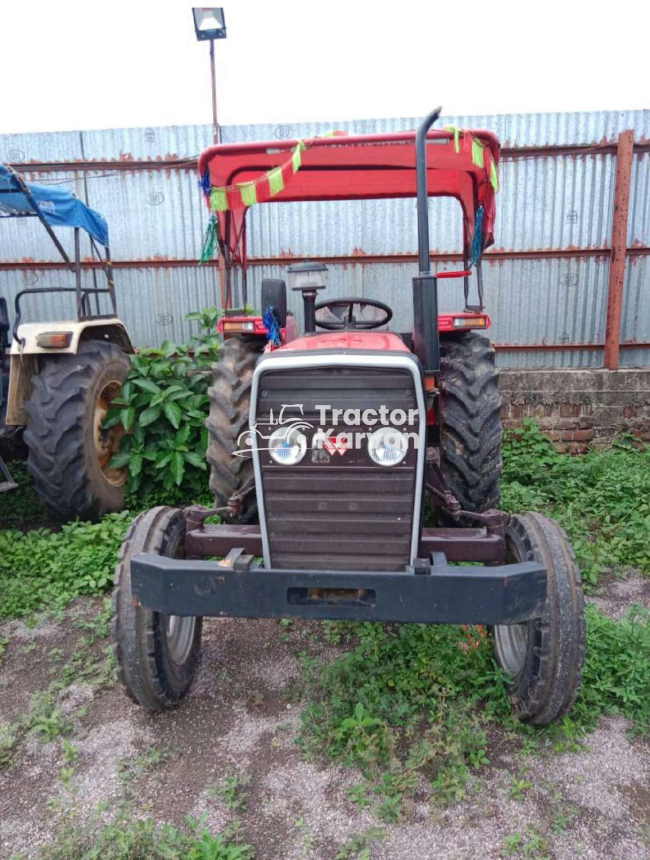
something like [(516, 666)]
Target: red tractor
[(324, 448)]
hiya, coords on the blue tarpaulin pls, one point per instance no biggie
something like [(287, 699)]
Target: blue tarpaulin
[(59, 208)]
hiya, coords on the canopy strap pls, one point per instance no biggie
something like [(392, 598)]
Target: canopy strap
[(477, 241)]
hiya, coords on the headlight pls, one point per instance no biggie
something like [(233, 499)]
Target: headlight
[(387, 447), (287, 445)]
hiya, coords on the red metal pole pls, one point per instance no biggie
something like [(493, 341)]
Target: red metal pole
[(624, 155)]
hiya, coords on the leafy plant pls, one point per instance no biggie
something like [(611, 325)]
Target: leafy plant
[(131, 838), (358, 846), (163, 406), (43, 567), (46, 721), (233, 790), (601, 498), (410, 700), (7, 743)]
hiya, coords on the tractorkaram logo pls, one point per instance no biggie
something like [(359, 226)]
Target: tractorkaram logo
[(288, 437)]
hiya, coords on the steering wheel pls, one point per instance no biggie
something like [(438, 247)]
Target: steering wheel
[(347, 320)]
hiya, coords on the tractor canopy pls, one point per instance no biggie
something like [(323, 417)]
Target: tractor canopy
[(56, 207), (460, 163)]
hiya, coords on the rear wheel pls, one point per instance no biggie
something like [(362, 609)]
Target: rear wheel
[(230, 397), (542, 659), (470, 421), (69, 451), (156, 654)]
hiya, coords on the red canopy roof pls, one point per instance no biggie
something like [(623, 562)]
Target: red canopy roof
[(364, 167)]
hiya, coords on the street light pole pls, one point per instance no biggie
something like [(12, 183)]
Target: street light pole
[(213, 72), (210, 24)]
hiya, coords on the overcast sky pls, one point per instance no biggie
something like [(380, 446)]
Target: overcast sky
[(72, 65)]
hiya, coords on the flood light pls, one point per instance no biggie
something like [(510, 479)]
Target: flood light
[(209, 23)]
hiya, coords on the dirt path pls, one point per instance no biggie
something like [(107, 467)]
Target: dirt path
[(242, 721)]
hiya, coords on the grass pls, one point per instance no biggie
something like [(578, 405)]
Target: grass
[(601, 498), (49, 568), (130, 838), (232, 789), (411, 706), (45, 565), (91, 662)]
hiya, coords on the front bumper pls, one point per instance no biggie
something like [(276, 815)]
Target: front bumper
[(434, 592)]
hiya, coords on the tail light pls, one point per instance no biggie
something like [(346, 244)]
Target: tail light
[(54, 339), (471, 322)]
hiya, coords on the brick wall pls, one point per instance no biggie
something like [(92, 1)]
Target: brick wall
[(578, 408)]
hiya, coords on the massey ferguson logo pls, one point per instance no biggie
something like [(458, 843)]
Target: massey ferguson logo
[(336, 445)]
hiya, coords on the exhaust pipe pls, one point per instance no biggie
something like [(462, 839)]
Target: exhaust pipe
[(426, 340)]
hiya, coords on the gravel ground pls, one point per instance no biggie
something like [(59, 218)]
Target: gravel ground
[(243, 716)]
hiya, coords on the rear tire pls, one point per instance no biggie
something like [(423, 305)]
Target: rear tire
[(68, 452), (543, 658), (470, 421), (230, 397), (156, 654)]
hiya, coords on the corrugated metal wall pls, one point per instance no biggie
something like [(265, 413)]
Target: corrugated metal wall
[(546, 285)]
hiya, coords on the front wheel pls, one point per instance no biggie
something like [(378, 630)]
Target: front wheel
[(156, 654), (542, 658)]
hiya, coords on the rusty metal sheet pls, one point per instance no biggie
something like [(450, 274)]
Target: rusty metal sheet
[(545, 284)]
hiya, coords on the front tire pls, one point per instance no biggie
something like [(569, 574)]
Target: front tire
[(542, 658), (68, 449), (156, 654)]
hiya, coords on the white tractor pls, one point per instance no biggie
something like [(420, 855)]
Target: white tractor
[(58, 379)]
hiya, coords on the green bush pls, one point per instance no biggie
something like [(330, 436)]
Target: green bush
[(601, 498), (163, 406), (616, 676), (46, 568)]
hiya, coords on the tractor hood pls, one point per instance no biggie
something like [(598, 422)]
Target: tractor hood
[(347, 340)]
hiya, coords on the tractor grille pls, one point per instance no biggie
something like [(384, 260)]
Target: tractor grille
[(338, 511)]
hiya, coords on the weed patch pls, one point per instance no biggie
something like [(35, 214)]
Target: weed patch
[(46, 568), (131, 838), (410, 705), (601, 498), (233, 790)]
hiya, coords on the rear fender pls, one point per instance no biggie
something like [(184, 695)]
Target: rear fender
[(24, 360), (111, 329)]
